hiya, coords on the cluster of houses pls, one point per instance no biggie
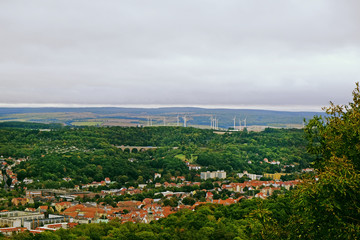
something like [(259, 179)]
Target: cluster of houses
[(192, 166), (70, 212), (266, 188), (7, 169), (127, 211), (96, 184), (273, 162)]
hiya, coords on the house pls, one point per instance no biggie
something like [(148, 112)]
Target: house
[(43, 208), (19, 201), (62, 206), (107, 180), (275, 162), (194, 167), (272, 162), (306, 170), (30, 210), (250, 175), (147, 201), (129, 205), (28, 181), (53, 227), (83, 214), (226, 202), (33, 193), (268, 191), (209, 196), (181, 178), (274, 176), (141, 186), (157, 175), (8, 231), (260, 195)]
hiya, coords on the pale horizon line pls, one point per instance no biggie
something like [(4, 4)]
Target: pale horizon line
[(290, 108)]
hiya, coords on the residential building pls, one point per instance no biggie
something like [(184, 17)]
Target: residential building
[(250, 175), (17, 218), (274, 176), (33, 224), (215, 174)]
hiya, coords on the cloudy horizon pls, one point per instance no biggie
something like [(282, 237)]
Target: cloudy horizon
[(279, 55)]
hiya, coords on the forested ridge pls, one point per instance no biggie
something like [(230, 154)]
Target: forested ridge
[(90, 153)]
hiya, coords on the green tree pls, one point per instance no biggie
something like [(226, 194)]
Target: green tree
[(329, 208)]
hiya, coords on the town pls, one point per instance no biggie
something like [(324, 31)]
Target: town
[(39, 210)]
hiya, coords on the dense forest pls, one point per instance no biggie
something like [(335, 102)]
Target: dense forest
[(90, 154)]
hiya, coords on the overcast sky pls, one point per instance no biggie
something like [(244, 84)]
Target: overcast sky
[(281, 54)]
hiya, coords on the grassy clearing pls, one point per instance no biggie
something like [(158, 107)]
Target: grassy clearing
[(86, 123), (182, 157)]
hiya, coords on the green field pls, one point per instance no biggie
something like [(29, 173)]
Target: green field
[(80, 124), (183, 158)]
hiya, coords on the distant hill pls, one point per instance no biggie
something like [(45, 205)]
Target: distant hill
[(29, 125), (197, 117)]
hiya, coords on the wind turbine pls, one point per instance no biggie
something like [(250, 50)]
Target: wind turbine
[(184, 120), (214, 122), (234, 123)]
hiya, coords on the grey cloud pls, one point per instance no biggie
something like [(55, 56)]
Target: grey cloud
[(179, 52)]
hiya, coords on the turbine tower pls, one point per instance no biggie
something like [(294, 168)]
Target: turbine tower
[(213, 122), (234, 122), (184, 120)]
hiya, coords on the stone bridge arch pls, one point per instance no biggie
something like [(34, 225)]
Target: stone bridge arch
[(138, 148)]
